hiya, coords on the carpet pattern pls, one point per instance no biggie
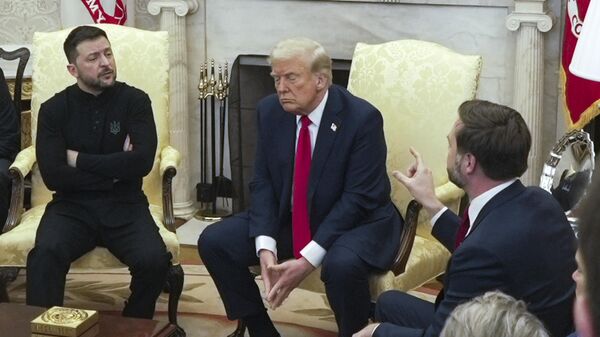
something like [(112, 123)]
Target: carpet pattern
[(201, 312), (304, 313)]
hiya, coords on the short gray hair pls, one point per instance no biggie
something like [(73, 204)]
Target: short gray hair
[(493, 314), (302, 47)]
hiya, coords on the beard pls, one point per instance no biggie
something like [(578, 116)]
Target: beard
[(454, 174), (101, 81)]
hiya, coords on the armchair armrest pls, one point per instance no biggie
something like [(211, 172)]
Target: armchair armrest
[(169, 160), (407, 237), (448, 192), (450, 195), (17, 172)]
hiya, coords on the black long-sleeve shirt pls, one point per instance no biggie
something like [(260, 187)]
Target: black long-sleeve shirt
[(10, 132), (96, 127)]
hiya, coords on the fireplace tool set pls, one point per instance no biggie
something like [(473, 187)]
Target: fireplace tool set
[(213, 91)]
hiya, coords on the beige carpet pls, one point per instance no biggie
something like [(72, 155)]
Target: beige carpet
[(304, 313), (201, 313)]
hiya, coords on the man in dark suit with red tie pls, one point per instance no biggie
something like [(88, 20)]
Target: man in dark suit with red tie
[(513, 238), (320, 195)]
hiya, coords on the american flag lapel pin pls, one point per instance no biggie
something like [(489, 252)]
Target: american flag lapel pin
[(333, 127)]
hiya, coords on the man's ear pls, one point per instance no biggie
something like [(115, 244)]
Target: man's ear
[(72, 70), (321, 81), (469, 162)]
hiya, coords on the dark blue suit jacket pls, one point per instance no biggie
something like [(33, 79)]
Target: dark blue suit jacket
[(520, 244), (349, 189)]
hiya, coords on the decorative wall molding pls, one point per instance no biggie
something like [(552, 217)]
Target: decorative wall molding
[(173, 20), (543, 21), (471, 3), (181, 7), (530, 19)]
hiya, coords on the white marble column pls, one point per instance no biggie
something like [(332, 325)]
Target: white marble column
[(172, 19), (530, 19)]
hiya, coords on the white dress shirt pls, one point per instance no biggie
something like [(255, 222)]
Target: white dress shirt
[(476, 204), (312, 252)]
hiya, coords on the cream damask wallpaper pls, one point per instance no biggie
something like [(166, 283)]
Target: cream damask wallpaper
[(20, 18)]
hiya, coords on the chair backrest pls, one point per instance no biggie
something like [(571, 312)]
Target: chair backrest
[(418, 87), (22, 55), (142, 59)]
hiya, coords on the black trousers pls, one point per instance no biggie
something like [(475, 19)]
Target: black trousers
[(70, 229), (4, 190), (227, 251)]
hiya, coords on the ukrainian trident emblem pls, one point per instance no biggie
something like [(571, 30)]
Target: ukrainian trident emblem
[(115, 127)]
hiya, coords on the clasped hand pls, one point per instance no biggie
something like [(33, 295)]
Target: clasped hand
[(281, 279)]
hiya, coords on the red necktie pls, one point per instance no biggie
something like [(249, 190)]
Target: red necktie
[(463, 229), (300, 218)]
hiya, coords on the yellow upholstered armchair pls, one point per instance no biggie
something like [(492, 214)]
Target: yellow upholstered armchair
[(418, 87), (142, 60)]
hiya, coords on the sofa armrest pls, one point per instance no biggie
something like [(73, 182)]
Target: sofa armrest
[(169, 160), (17, 172)]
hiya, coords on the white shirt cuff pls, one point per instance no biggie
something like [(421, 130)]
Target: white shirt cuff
[(375, 328), (437, 215), (265, 242), (313, 253)]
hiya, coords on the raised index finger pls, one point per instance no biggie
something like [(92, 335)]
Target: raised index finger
[(417, 156)]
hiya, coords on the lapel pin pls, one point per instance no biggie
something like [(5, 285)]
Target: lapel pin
[(333, 127)]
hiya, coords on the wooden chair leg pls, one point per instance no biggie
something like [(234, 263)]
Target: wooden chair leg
[(7, 275), (175, 288), (240, 330)]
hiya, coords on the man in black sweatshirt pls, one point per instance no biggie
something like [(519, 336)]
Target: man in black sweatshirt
[(96, 140), (10, 139)]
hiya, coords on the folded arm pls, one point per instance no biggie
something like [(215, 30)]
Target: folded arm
[(52, 159), (128, 164)]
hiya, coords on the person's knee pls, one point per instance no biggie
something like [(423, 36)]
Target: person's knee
[(385, 302), (341, 267), (48, 254), (209, 241), (153, 261)]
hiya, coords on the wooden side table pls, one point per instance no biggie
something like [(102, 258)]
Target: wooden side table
[(16, 319)]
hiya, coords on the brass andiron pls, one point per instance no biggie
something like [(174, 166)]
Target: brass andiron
[(212, 91)]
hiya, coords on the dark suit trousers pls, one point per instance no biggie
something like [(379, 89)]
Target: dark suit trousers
[(227, 251), (402, 315), (69, 230)]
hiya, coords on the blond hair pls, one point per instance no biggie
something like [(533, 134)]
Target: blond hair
[(490, 315), (301, 47)]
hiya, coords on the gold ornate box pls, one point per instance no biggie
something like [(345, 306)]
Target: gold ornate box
[(61, 321)]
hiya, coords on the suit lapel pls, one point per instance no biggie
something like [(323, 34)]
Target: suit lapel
[(505, 195), (328, 129), (286, 134)]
